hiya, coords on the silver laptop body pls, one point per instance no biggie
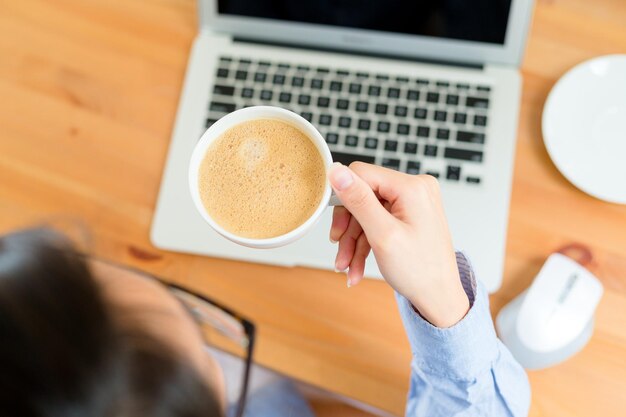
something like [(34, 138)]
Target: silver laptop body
[(433, 90)]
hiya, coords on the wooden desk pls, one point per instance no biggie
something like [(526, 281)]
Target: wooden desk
[(89, 92)]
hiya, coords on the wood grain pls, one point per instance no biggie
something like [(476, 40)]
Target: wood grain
[(89, 92)]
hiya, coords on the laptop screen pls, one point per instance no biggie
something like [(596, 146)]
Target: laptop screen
[(475, 20)]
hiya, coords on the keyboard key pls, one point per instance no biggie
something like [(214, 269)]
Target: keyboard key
[(260, 77), (364, 124), (307, 115), (402, 129), (401, 111), (241, 75), (483, 88), (373, 91), (345, 121), (432, 97), (453, 173), (209, 123), (383, 77), (421, 81), (423, 131), (460, 118), (413, 95), (410, 147), (402, 79), (266, 95), (247, 92), (317, 84), (434, 174), (443, 134), (480, 120), (343, 73), (473, 180), (441, 115), (462, 86), (336, 85), (297, 81), (264, 63), (332, 138), (283, 66), (352, 141), (443, 84), (284, 97), (325, 119), (470, 137), (430, 150), (393, 92), (323, 70), (348, 158), (478, 102), (391, 163), (323, 102), (225, 59), (413, 167), (362, 75), (218, 106), (304, 99), (278, 79), (222, 73), (343, 104), (303, 68), (452, 99), (362, 106), (383, 127), (245, 61), (371, 143), (391, 145), (224, 90), (420, 113), (381, 108), (463, 154), (355, 88)]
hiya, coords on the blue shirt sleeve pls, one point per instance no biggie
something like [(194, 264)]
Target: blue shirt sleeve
[(463, 370)]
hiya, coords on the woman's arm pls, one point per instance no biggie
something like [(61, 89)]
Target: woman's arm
[(459, 366), (463, 370)]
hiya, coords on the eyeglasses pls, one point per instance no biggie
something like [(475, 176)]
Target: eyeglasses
[(221, 328)]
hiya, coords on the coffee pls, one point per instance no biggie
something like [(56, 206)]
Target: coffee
[(261, 178)]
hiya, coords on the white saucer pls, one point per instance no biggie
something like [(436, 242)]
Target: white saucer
[(584, 127)]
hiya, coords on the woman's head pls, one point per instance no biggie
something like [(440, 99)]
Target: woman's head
[(82, 340)]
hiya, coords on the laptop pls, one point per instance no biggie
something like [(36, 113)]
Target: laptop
[(423, 87)]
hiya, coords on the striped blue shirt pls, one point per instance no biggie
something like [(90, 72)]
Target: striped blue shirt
[(463, 370)]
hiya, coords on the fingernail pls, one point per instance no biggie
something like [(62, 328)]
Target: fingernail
[(337, 270), (333, 241), (349, 283), (340, 176)]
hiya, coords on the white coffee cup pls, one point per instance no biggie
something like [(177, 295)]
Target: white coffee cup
[(233, 119)]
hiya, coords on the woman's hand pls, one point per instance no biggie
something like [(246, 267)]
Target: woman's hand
[(401, 219)]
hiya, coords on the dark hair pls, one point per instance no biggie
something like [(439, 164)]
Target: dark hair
[(62, 353)]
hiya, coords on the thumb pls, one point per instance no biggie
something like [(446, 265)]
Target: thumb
[(360, 200)]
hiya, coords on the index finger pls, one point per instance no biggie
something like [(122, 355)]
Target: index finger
[(341, 219)]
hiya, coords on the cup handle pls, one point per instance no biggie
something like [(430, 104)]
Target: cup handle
[(334, 200)]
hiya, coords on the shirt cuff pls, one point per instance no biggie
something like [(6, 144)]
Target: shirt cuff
[(460, 352)]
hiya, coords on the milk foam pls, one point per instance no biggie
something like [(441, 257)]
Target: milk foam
[(262, 178)]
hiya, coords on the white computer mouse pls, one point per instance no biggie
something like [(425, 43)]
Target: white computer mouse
[(553, 319)]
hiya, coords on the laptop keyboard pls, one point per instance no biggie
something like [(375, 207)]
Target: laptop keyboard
[(413, 125)]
